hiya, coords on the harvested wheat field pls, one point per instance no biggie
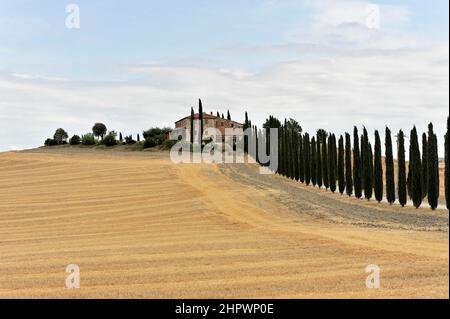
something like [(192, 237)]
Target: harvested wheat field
[(140, 226)]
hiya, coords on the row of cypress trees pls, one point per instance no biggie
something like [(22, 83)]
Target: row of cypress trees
[(323, 161)]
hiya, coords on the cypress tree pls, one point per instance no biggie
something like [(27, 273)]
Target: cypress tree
[(447, 168), (286, 151), (246, 125), (200, 118), (280, 147), (363, 160), (356, 164), (301, 159), (319, 163), (390, 181), (192, 126), (332, 162), (341, 174), (416, 170), (348, 165), (297, 163), (307, 158), (295, 154), (293, 157), (433, 169), (291, 152), (228, 115), (401, 168), (378, 169), (325, 175), (218, 115), (313, 161), (120, 137), (368, 166), (425, 165)]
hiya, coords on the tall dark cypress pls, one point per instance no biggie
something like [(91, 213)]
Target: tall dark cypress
[(228, 115), (341, 174), (368, 166), (390, 180), (200, 118), (291, 153), (313, 161), (433, 169), (425, 165), (280, 151), (295, 155), (378, 169), (286, 150), (401, 170), (325, 176), (357, 164), (301, 159), (192, 126), (307, 158), (363, 161), (348, 165), (447, 168), (416, 170), (332, 162), (319, 163), (246, 125)]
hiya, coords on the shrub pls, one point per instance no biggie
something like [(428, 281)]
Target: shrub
[(168, 144), (75, 140), (129, 140), (110, 139), (150, 142), (50, 142), (88, 139)]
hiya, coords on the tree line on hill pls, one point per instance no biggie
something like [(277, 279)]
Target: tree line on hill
[(101, 136), (333, 163)]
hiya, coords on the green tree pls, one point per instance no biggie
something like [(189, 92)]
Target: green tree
[(390, 181), (228, 115), (319, 163), (348, 165), (307, 158), (332, 162), (110, 139), (325, 176), (447, 168), (200, 118), (88, 139), (120, 137), (191, 136), (357, 164), (378, 169), (401, 170), (301, 159), (295, 155), (313, 161), (368, 166), (75, 140), (341, 173), (99, 130), (60, 136), (416, 169), (433, 169), (425, 165)]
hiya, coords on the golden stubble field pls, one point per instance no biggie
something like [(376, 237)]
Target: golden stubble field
[(139, 226)]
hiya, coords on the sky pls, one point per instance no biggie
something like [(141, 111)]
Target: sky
[(136, 64)]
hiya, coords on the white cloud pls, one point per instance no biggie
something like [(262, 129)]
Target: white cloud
[(399, 90)]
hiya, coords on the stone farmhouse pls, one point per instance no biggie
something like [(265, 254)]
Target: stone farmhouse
[(209, 120)]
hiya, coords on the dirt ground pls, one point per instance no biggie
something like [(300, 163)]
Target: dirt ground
[(140, 226)]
